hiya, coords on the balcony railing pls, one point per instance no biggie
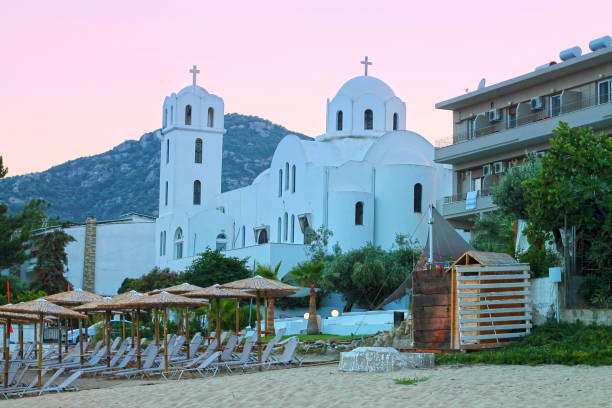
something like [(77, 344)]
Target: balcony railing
[(571, 101), (463, 196)]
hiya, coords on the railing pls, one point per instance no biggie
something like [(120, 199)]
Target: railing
[(571, 101), (463, 196)]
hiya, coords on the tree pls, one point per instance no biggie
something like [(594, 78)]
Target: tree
[(49, 249), (156, 279), (310, 274), (3, 170), (269, 273), (214, 267), (494, 232), (509, 196), (318, 241)]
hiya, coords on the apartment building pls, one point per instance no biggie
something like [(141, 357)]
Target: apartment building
[(495, 126)]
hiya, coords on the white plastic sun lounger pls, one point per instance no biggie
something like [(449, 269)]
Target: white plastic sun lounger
[(64, 386), (204, 367)]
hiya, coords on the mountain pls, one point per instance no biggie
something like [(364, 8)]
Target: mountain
[(126, 178)]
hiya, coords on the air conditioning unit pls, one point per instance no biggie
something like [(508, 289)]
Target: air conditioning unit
[(486, 170), (494, 115), (537, 103), (499, 167)]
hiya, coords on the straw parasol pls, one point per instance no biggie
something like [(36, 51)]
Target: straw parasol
[(175, 290), (261, 287), (163, 299), (41, 308), (218, 293)]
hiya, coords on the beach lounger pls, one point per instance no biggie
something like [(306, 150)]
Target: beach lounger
[(50, 383), (206, 366), (241, 361), (114, 363), (15, 390), (194, 345), (66, 385), (147, 364), (266, 355), (288, 357)]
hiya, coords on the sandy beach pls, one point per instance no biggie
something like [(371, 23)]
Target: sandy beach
[(326, 386)]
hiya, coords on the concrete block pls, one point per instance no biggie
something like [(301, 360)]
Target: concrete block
[(383, 359)]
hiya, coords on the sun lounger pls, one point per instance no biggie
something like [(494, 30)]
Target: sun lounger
[(194, 345), (16, 390), (147, 364), (241, 361), (50, 383), (206, 366), (114, 363), (288, 357), (66, 385)]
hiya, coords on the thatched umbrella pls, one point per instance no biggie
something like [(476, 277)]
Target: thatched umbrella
[(99, 306), (163, 299), (218, 293), (41, 307), (175, 290), (261, 287), (72, 298), (127, 296)]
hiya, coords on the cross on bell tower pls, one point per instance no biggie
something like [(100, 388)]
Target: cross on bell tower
[(366, 63), (195, 71)]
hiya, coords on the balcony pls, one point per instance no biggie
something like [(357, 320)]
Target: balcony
[(453, 207), (529, 128)]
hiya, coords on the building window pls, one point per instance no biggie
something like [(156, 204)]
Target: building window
[(167, 151), (395, 120), (164, 244), (171, 115), (166, 194), (339, 116), (292, 228), (555, 105), (418, 197), (512, 117), (197, 192), (178, 243), (188, 115), (604, 91), (278, 229), (359, 213), (293, 179), (243, 236), (211, 117), (165, 118), (161, 243), (198, 150), (280, 182), (262, 236), (471, 124), (286, 227), (368, 119), (286, 176), (221, 243)]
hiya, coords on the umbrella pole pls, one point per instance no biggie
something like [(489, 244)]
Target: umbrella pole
[(59, 340), (156, 317), (36, 339), (82, 357), (237, 316), (187, 326), (132, 329), (40, 351), (108, 337), (258, 330), (66, 331), (165, 340), (7, 329), (209, 319), (218, 333), (123, 326), (138, 338), (21, 341)]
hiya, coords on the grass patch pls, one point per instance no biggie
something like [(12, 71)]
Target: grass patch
[(551, 343), (410, 381)]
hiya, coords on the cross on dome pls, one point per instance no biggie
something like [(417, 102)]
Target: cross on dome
[(366, 63), (195, 71)]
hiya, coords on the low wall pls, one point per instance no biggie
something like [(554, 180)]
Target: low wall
[(352, 323), (543, 296), (587, 316)]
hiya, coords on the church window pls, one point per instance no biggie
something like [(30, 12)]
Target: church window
[(178, 243), (278, 230), (339, 118), (211, 117), (395, 120), (292, 228), (286, 227), (243, 236), (286, 176), (221, 243), (166, 194), (418, 197), (293, 179), (198, 150), (280, 182), (368, 119), (359, 213), (262, 237), (188, 115), (171, 115), (197, 192), (167, 151), (161, 243), (165, 118)]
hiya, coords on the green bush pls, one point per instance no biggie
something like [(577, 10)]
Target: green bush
[(597, 289)]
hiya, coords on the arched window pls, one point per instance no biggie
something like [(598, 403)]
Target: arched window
[(161, 243), (211, 117), (171, 115), (243, 236), (197, 192), (418, 197), (280, 182), (292, 228), (198, 150), (368, 119), (163, 248), (167, 151), (286, 227), (178, 243), (262, 237), (221, 242), (188, 115), (293, 179), (395, 120), (359, 213), (166, 194), (278, 230), (165, 118), (286, 176), (339, 118)]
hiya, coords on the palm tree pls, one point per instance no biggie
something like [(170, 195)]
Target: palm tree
[(269, 273), (310, 274)]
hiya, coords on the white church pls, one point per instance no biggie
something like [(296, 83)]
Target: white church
[(366, 179)]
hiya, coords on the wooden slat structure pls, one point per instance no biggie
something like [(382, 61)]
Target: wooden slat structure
[(489, 300)]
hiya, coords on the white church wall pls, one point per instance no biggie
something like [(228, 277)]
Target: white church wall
[(392, 106), (340, 103), (368, 101), (342, 219)]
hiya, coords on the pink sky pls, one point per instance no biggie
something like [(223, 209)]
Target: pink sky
[(79, 77)]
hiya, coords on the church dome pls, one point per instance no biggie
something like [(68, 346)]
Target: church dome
[(361, 85), (197, 90)]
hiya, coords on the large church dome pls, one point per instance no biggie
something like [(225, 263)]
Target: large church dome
[(362, 85)]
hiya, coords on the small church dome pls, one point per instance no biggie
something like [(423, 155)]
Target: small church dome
[(361, 85), (197, 90)]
